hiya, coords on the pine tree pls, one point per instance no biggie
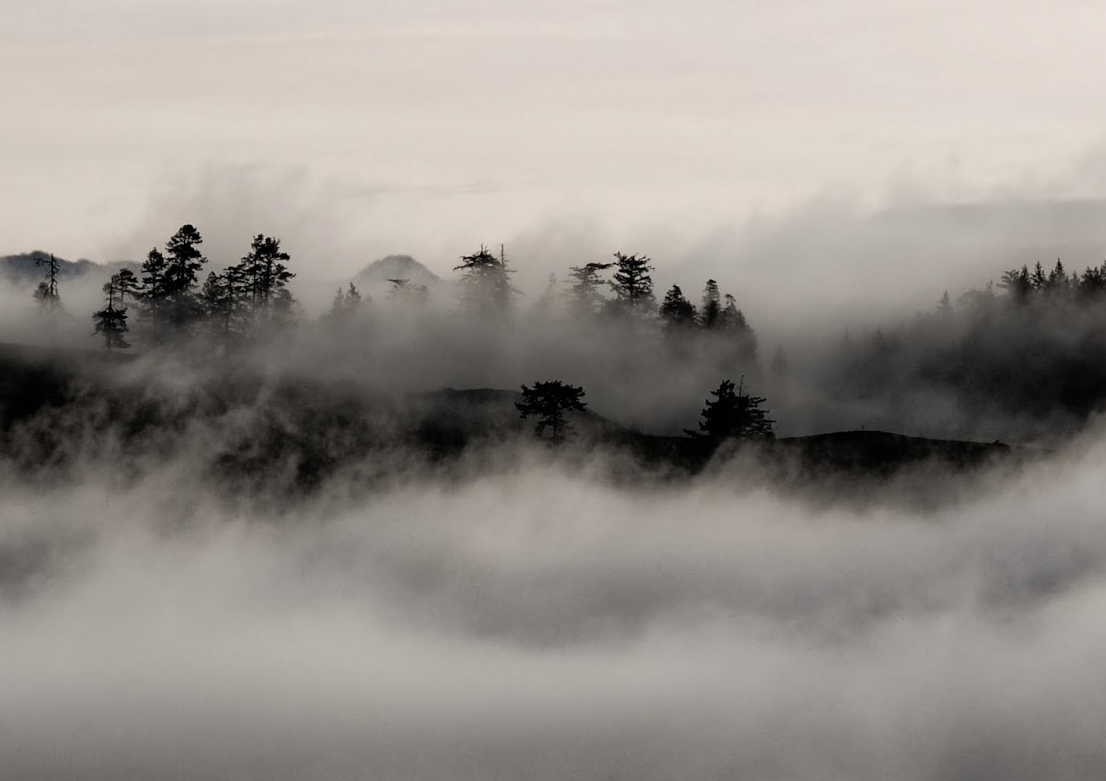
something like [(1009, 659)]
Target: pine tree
[(222, 296), (1038, 279), (734, 414), (1057, 283), (549, 402), (111, 321), (169, 281), (633, 284), (183, 261), (677, 313), (712, 306), (346, 305), (732, 318), (1017, 284), (584, 296), (485, 284), (266, 274), (126, 284), (944, 305), (46, 294)]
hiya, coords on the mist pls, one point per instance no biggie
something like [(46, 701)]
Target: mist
[(538, 621), (497, 389)]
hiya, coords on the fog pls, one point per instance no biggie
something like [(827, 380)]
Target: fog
[(533, 620), (282, 538)]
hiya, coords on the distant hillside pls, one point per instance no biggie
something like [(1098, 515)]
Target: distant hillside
[(24, 269), (294, 432), (377, 273)]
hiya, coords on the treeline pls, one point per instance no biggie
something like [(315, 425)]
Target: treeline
[(247, 296), (1025, 357), (170, 298)]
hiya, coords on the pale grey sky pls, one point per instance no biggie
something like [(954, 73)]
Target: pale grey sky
[(361, 128)]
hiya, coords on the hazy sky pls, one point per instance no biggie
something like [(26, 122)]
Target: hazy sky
[(432, 126)]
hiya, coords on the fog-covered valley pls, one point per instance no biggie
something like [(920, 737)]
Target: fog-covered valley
[(535, 620), (449, 390)]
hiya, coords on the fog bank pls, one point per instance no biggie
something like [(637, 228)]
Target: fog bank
[(542, 624)]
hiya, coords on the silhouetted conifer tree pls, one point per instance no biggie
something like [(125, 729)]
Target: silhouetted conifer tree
[(733, 324), (485, 284), (1038, 280), (346, 305), (111, 321), (126, 284), (1017, 284), (266, 276), (1093, 283), (1057, 284), (222, 298), (677, 313), (46, 294), (734, 414), (169, 281), (549, 402), (633, 284), (584, 296), (712, 306)]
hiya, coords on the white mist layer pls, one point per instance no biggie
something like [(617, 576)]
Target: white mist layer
[(542, 625)]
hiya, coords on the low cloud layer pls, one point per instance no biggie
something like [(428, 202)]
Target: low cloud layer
[(543, 624)]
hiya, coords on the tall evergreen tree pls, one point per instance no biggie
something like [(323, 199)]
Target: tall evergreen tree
[(676, 312), (485, 284), (739, 337), (1057, 283), (711, 310), (126, 284), (732, 318), (265, 272), (1038, 279), (586, 282), (169, 281), (223, 297), (46, 294), (111, 321), (633, 284), (346, 304), (183, 261), (1017, 284)]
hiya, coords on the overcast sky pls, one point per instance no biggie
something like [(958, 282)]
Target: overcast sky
[(428, 127)]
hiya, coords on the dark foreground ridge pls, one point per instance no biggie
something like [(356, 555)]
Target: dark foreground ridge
[(290, 434)]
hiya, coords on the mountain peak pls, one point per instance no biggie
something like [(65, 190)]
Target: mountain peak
[(391, 267)]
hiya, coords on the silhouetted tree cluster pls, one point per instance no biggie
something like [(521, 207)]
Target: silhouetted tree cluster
[(585, 296), (1024, 286), (346, 305), (244, 299)]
